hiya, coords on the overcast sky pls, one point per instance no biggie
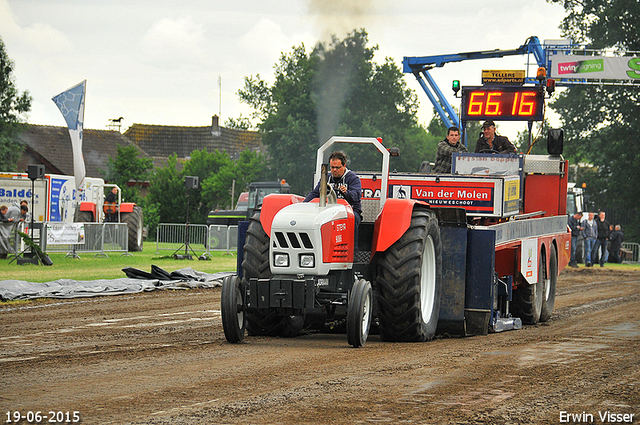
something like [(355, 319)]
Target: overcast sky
[(160, 61)]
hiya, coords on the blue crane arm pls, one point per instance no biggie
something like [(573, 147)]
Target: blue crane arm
[(531, 46), (420, 66)]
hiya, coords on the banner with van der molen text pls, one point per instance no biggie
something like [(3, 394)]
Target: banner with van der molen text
[(596, 67)]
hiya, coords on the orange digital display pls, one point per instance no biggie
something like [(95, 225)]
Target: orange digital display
[(502, 103)]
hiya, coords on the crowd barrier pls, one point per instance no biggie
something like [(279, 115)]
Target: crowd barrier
[(99, 238), (201, 239), (630, 252)]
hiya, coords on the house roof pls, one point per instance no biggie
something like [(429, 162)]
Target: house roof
[(52, 145), (161, 141)]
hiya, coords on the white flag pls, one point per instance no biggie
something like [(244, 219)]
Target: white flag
[(71, 104)]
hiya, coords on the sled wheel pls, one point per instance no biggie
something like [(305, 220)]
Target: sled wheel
[(409, 282), (232, 308), (359, 313), (549, 298), (528, 299)]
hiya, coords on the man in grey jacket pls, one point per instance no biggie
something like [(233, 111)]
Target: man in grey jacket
[(590, 234)]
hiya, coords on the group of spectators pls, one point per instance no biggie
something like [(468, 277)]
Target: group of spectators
[(10, 217), (489, 142), (602, 241)]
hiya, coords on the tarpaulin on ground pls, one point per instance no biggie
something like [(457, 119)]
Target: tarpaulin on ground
[(136, 281)]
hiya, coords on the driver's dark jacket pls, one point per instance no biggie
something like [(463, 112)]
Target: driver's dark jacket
[(354, 189), (500, 144)]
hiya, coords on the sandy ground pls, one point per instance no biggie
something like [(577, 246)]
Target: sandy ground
[(161, 358)]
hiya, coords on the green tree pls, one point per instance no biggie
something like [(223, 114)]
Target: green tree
[(13, 107), (216, 171), (602, 122), (287, 116), (539, 139), (167, 193), (240, 123), (128, 165), (335, 89), (205, 164), (248, 168)]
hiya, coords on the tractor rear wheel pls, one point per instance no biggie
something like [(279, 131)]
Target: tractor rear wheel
[(232, 309), (263, 321), (409, 282), (134, 222), (528, 300), (359, 313), (84, 217), (549, 299)]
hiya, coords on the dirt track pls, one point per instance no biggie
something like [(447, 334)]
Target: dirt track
[(161, 358)]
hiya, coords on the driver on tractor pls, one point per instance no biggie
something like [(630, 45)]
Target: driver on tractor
[(111, 206), (490, 142), (346, 185)]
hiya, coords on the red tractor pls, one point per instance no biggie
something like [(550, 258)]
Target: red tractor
[(299, 269)]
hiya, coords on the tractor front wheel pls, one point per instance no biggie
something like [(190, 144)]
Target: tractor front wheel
[(359, 313), (232, 309)]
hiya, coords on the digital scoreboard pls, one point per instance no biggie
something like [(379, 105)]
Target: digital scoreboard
[(508, 103)]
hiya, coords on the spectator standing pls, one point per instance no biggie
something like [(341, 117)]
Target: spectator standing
[(616, 238), (5, 233), (590, 234), (490, 141), (601, 241), (445, 151), (576, 227)]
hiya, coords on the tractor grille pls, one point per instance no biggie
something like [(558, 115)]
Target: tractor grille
[(293, 240), (340, 253)]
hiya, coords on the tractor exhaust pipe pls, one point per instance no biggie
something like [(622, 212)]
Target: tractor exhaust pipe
[(323, 185)]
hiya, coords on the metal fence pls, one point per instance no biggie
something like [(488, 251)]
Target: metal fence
[(99, 238), (631, 251), (201, 239)]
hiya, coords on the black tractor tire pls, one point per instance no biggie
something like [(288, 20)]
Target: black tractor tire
[(549, 299), (359, 313), (232, 308), (84, 217), (528, 299), (135, 222), (409, 281), (264, 321)]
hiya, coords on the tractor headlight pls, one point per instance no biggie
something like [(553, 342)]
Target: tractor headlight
[(307, 261), (281, 260)]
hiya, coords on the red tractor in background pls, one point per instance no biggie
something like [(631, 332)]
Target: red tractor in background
[(96, 209)]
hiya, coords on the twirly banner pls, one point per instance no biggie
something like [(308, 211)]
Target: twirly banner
[(596, 67), (71, 104)]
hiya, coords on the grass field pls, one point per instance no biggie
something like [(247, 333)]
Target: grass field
[(89, 267)]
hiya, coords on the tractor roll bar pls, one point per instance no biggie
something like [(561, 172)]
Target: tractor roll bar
[(322, 152)]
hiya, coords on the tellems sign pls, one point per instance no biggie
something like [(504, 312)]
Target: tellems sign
[(595, 67)]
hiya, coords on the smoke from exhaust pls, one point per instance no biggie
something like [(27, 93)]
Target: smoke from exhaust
[(339, 17), (336, 18)]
